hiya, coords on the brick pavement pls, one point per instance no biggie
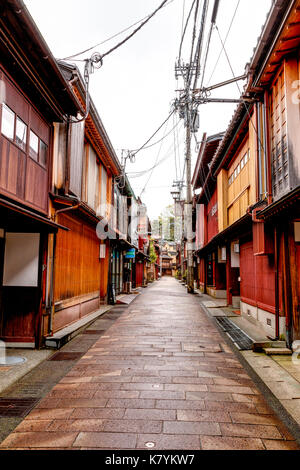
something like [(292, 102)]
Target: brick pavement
[(162, 375)]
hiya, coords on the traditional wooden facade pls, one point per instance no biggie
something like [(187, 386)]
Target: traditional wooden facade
[(257, 168), (34, 95), (84, 168), (210, 274), (274, 74)]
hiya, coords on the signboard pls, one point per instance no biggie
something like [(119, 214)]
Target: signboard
[(130, 254), (21, 261), (102, 251)]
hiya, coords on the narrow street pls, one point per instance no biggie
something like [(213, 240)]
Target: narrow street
[(161, 377)]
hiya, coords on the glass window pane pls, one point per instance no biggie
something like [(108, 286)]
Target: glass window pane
[(21, 133), (34, 146), (43, 153), (8, 122)]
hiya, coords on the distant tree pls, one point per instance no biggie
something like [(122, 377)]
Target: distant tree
[(164, 226), (152, 253)]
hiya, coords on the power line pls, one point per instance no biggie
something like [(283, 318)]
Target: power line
[(213, 22), (200, 42), (175, 153), (154, 134), (183, 14), (228, 32), (144, 21), (190, 73), (185, 28), (244, 102), (150, 176), (178, 151), (158, 141), (139, 174)]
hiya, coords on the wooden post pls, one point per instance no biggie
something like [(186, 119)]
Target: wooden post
[(228, 275)]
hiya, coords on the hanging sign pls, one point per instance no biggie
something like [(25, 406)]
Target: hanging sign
[(130, 254)]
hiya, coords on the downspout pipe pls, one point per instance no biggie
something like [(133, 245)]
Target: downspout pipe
[(276, 239)]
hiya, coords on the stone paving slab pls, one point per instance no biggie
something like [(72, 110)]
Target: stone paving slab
[(9, 375), (148, 383), (276, 374)]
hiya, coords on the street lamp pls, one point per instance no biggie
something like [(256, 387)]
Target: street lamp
[(175, 195)]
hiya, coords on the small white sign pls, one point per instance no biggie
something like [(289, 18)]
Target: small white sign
[(102, 251), (21, 261)]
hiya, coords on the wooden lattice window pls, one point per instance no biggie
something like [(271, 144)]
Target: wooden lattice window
[(279, 144)]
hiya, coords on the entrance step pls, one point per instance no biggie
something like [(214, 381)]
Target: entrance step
[(126, 299), (278, 351), (259, 346), (59, 339)]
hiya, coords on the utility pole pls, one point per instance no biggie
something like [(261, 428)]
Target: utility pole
[(187, 104), (189, 199), (161, 257)]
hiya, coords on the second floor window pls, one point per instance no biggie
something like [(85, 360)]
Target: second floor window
[(16, 130), (8, 122), (38, 150), (21, 133)]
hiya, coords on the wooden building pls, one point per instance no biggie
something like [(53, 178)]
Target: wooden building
[(257, 169), (84, 170), (34, 95), (211, 270)]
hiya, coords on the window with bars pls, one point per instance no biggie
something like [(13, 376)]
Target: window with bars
[(279, 144)]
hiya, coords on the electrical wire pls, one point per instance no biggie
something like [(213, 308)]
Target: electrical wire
[(178, 151), (200, 42), (175, 152), (183, 15), (226, 37), (185, 28), (158, 141), (142, 21), (139, 174), (154, 134), (213, 23), (240, 92), (190, 71), (151, 173)]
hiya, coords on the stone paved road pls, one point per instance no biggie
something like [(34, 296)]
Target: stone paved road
[(161, 377)]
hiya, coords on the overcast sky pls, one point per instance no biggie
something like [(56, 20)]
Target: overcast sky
[(134, 89)]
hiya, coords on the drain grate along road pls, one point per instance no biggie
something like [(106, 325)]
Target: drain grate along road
[(16, 407), (66, 356), (93, 332), (242, 341)]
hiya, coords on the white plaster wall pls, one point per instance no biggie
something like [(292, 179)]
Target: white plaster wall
[(248, 310), (262, 317)]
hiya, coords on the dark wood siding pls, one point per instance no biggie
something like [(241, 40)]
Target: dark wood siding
[(21, 177), (77, 259)]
